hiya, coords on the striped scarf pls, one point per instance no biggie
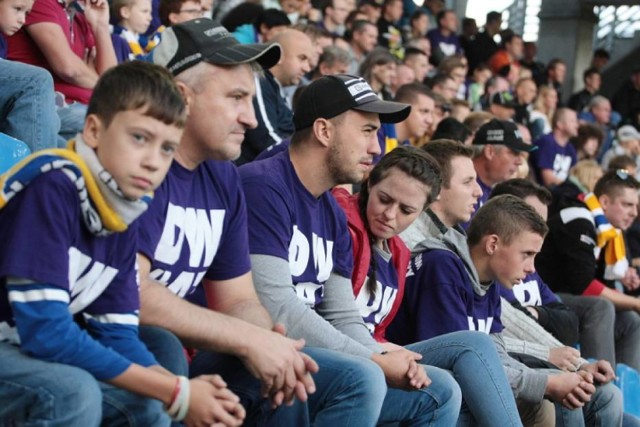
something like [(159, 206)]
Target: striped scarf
[(609, 238), (104, 208), (140, 46)]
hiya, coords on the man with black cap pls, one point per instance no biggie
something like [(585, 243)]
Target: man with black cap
[(193, 237), (498, 153), (503, 105), (301, 249)]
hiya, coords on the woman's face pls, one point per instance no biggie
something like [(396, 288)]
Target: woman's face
[(394, 203), (550, 99)]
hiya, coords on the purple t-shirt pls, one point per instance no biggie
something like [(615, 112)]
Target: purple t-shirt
[(531, 292), (288, 222), (439, 298), (196, 227), (45, 241), (550, 155), (374, 309), (449, 45)]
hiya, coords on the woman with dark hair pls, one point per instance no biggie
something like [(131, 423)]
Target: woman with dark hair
[(379, 69), (399, 188)]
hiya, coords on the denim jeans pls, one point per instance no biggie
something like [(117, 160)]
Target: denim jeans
[(474, 362), (27, 107), (38, 393), (71, 121)]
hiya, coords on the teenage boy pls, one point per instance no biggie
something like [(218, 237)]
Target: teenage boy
[(68, 310), (451, 285), (301, 249)]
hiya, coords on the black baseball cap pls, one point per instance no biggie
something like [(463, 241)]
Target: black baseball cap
[(504, 99), (502, 132), (330, 96), (186, 44)]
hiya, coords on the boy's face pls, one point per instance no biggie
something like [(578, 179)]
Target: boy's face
[(135, 149), (137, 17), (457, 200), (510, 264), (13, 14)]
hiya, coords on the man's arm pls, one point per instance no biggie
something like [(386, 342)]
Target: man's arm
[(97, 14), (273, 358), (549, 179), (237, 298), (621, 301), (64, 62)]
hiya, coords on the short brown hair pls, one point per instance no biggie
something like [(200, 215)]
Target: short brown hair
[(444, 151)]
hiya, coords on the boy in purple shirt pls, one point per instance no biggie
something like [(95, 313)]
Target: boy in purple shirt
[(68, 279)]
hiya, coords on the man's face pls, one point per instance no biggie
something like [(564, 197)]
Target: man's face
[(354, 143), (602, 112), (526, 92), (224, 94), (503, 162), (366, 39), (515, 48), (421, 116), (335, 68), (540, 208), (338, 12), (593, 82), (296, 59), (135, 149), (621, 208), (188, 10), (449, 22), (393, 11), (558, 72), (448, 88), (404, 75), (13, 14), (457, 201), (511, 263), (373, 12), (420, 65)]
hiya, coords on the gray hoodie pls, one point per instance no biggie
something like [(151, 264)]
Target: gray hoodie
[(428, 232)]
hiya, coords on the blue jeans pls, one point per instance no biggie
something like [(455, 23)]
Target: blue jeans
[(27, 107), (38, 393), (604, 409), (474, 362), (71, 121)]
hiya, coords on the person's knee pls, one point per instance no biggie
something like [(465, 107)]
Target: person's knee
[(368, 378), (601, 309), (449, 392), (166, 348)]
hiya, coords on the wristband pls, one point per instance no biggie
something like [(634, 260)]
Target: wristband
[(180, 404)]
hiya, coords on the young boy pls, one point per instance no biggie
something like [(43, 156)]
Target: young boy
[(26, 92), (134, 18), (68, 278)]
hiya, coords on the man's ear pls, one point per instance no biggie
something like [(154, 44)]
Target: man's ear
[(605, 201), (187, 95), (93, 126), (491, 243), (323, 130)]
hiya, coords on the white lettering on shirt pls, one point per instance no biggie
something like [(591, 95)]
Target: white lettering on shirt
[(87, 279), (483, 325)]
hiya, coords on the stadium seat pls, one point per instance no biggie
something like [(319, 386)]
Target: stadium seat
[(11, 151), (629, 382)]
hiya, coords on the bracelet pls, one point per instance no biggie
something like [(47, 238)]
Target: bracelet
[(180, 404), (172, 407)]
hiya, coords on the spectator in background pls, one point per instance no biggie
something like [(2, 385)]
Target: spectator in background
[(468, 32), (74, 46), (588, 141), (389, 34), (555, 156), (334, 60), (133, 18), (598, 112), (460, 109), (275, 118), (404, 75), (378, 69), (529, 60), (592, 80), (418, 61), (445, 86), (554, 77), (494, 84), (525, 93), (334, 15), (626, 100), (371, 8), (363, 39), (264, 28), (419, 121), (27, 106), (506, 61), (585, 174), (475, 120), (456, 68), (418, 25), (600, 59), (174, 12), (627, 143), (483, 46), (454, 130), (543, 110), (476, 85), (444, 39), (503, 106)]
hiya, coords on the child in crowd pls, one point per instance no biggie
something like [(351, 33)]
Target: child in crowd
[(27, 108), (400, 186), (134, 18), (69, 297)]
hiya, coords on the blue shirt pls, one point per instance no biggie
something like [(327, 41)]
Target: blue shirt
[(286, 221), (196, 227), (439, 298), (551, 155)]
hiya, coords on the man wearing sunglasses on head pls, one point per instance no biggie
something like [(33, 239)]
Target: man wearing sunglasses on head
[(583, 257)]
